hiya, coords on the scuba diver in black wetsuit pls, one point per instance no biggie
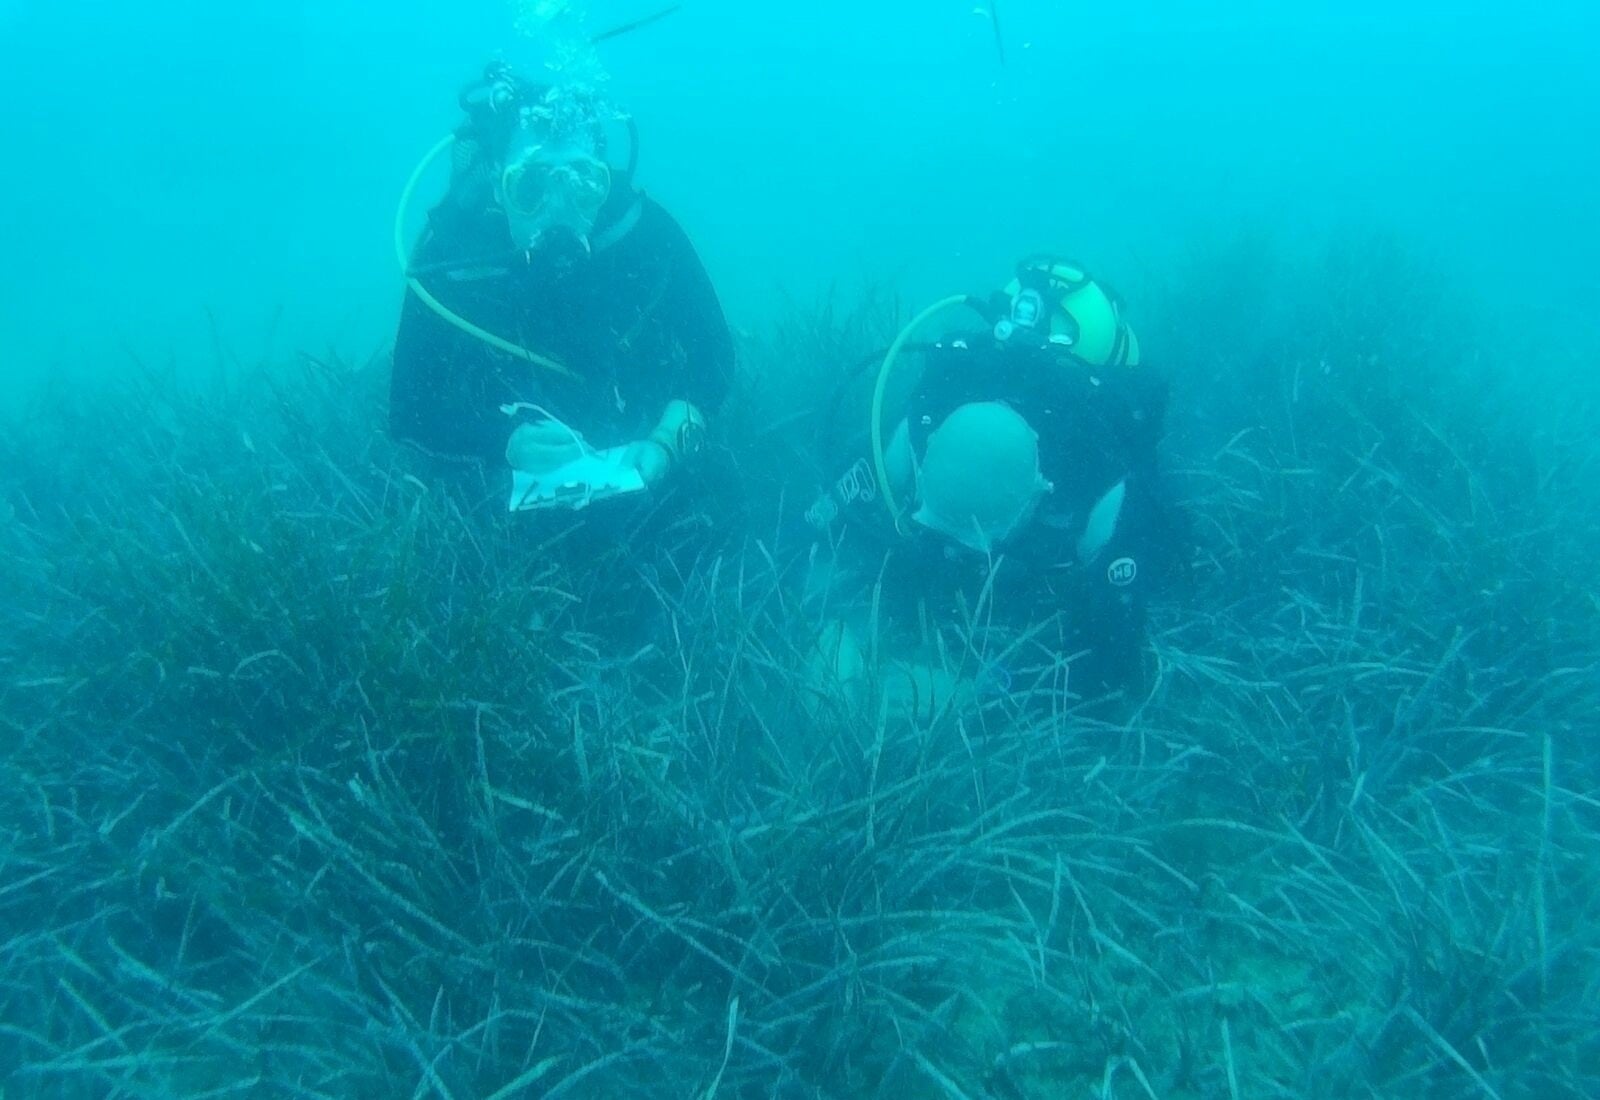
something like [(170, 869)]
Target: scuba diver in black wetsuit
[(557, 321), (1020, 470)]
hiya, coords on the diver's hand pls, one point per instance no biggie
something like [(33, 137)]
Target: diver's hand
[(542, 446), (651, 459), (921, 692), (677, 437)]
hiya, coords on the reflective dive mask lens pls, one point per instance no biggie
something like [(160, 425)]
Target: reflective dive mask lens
[(534, 186)]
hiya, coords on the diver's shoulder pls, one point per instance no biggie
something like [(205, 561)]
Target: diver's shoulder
[(658, 241), (656, 222)]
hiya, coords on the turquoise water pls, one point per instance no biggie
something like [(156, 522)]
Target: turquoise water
[(240, 159), (320, 777)]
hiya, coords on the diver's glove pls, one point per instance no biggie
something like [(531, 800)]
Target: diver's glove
[(923, 692), (677, 436), (542, 446), (899, 689)]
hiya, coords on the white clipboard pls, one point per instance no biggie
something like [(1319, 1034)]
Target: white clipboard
[(597, 475)]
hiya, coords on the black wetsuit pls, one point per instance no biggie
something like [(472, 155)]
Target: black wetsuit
[(637, 322), (1098, 429)]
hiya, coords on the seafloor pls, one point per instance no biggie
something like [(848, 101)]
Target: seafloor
[(316, 782)]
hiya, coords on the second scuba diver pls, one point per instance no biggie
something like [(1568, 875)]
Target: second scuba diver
[(1017, 480)]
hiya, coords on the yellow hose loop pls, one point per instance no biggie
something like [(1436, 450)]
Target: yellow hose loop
[(880, 467), (427, 299)]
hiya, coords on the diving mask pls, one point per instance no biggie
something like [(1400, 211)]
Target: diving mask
[(543, 190)]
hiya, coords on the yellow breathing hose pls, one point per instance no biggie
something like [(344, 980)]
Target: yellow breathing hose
[(433, 303), (879, 465)]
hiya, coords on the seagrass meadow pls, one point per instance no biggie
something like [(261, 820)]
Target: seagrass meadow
[(315, 782)]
